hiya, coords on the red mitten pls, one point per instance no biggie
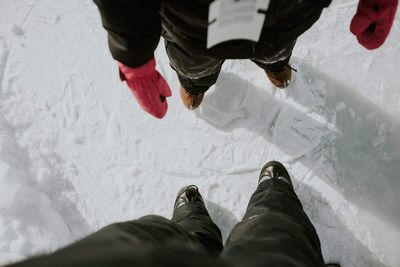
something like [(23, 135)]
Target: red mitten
[(373, 21), (148, 87)]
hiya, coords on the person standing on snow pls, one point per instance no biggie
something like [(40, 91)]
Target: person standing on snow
[(275, 231), (200, 34)]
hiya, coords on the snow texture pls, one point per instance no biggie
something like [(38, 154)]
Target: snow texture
[(78, 153)]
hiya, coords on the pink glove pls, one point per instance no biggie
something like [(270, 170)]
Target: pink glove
[(373, 21), (148, 87)]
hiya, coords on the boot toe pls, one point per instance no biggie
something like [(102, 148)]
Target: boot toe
[(189, 100), (274, 170), (186, 195), (280, 79)]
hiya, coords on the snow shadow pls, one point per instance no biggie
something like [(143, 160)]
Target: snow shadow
[(335, 133), (365, 150), (222, 217), (360, 141), (337, 242)]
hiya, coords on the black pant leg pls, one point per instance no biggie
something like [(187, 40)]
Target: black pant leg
[(150, 231), (277, 60), (275, 231), (148, 241), (195, 219), (196, 73)]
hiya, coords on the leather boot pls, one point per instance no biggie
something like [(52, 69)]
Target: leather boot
[(190, 101), (281, 78)]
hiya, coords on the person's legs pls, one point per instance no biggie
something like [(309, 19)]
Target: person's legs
[(190, 235), (190, 225), (196, 73), (148, 231), (275, 231), (277, 67)]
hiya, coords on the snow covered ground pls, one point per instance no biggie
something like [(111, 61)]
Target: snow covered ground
[(77, 153)]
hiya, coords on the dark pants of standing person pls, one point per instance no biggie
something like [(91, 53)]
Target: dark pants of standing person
[(274, 232), (197, 73)]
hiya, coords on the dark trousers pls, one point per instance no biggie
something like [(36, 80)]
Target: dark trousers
[(197, 73), (274, 232)]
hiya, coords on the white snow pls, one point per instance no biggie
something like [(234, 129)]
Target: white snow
[(78, 153)]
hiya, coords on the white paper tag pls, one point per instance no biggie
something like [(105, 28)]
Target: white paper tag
[(235, 19)]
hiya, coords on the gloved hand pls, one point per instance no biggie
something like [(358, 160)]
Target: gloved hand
[(148, 87), (373, 21)]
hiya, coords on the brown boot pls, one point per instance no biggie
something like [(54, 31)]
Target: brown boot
[(280, 79), (190, 101)]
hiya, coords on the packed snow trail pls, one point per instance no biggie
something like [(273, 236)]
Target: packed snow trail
[(78, 153)]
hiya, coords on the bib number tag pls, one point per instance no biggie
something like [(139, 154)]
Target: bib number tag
[(235, 19)]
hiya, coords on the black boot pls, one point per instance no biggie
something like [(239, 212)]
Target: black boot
[(276, 171), (190, 213), (188, 201), (188, 194)]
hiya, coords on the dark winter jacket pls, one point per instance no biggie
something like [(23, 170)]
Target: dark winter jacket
[(134, 27)]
